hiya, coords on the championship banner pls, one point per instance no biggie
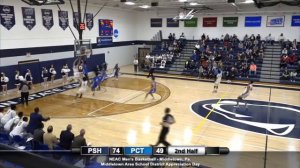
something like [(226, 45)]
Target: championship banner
[(7, 15), (63, 19), (275, 21), (252, 21), (106, 27), (75, 19), (230, 21), (172, 23), (104, 41), (191, 23), (210, 21), (295, 20), (28, 17), (47, 17), (156, 22), (89, 20)]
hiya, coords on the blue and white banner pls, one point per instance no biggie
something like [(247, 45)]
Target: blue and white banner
[(275, 21), (295, 20), (76, 19), (104, 41), (172, 23), (47, 16), (89, 20), (63, 19), (252, 21), (7, 15), (28, 17)]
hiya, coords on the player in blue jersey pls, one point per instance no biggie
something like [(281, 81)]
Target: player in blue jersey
[(96, 83), (153, 88)]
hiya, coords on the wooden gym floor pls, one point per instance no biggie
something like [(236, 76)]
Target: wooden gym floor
[(118, 115)]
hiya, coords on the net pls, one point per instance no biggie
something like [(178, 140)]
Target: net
[(83, 48)]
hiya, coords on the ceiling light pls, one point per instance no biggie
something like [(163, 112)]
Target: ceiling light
[(194, 3), (129, 3), (249, 1), (145, 6), (182, 0)]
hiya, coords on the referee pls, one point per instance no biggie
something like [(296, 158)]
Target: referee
[(167, 120)]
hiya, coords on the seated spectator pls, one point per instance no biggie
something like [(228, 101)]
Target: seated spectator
[(270, 39), (10, 114), (258, 37), (244, 70), (286, 74), (293, 75), (20, 129), (245, 38), (35, 120), (1, 115), (284, 51), (66, 137), (13, 122), (197, 46), (281, 38), (252, 69), (49, 138), (252, 37), (293, 59), (79, 140), (39, 133)]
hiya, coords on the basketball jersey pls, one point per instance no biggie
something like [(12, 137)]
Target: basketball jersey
[(19, 129), (15, 120), (219, 78), (248, 89), (153, 85), (96, 81), (9, 115)]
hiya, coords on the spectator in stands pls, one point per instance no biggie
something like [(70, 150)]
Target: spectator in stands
[(66, 137), (258, 37), (170, 37), (293, 58), (293, 75), (182, 36), (284, 51), (294, 44), (35, 120), (252, 69), (174, 37), (245, 38), (281, 38), (252, 37), (244, 70), (270, 39), (79, 140), (10, 114), (39, 133), (13, 122), (49, 138), (222, 38), (286, 74), (20, 129), (203, 37)]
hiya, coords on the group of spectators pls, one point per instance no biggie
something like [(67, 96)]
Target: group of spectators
[(16, 125), (290, 62), (230, 54)]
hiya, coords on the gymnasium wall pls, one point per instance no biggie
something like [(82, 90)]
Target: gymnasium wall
[(56, 44), (144, 30)]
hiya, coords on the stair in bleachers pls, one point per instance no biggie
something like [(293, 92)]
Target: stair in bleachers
[(270, 69)]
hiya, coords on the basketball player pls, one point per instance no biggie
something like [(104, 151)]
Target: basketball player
[(65, 73), (153, 88), (82, 88), (52, 73), (167, 120), (17, 80), (217, 81), (116, 71), (96, 83), (28, 77), (245, 94)]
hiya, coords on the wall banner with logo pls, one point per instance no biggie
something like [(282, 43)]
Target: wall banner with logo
[(275, 21), (7, 16), (63, 19), (230, 21), (210, 21), (47, 17), (89, 20), (28, 17), (252, 21), (156, 22), (191, 23)]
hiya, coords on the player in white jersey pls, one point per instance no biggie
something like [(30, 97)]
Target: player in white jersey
[(82, 88), (245, 94), (217, 81)]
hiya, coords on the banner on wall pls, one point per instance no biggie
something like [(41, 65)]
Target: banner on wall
[(7, 15), (156, 22), (106, 27), (172, 23), (191, 23), (275, 21), (230, 21), (47, 17), (252, 21), (75, 19), (295, 20), (104, 41), (210, 21), (63, 19), (89, 20), (28, 17)]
